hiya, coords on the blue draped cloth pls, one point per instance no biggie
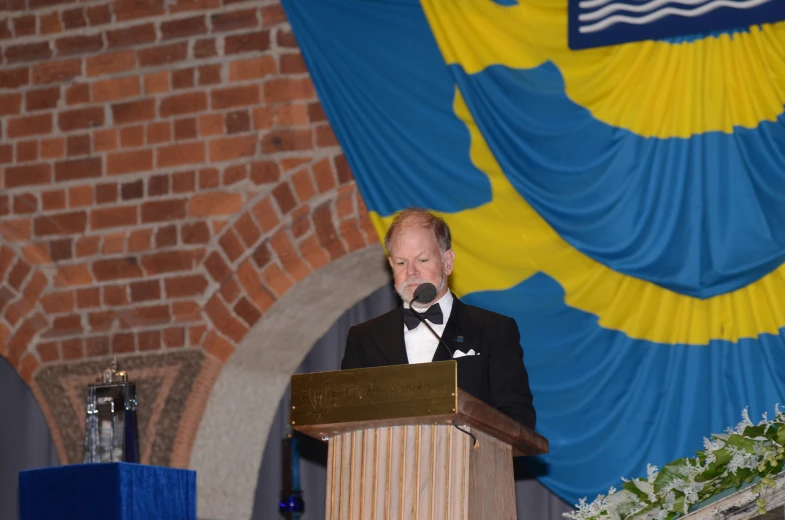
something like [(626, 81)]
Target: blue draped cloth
[(111, 491), (625, 204)]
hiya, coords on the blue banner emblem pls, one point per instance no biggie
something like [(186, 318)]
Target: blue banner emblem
[(596, 23), (624, 204)]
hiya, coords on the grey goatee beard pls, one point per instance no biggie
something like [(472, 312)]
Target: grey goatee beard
[(401, 289)]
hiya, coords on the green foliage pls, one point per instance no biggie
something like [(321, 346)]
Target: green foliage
[(727, 462)]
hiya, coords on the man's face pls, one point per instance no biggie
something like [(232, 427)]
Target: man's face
[(415, 259)]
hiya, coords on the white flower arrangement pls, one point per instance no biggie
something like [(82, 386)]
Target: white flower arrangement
[(728, 461)]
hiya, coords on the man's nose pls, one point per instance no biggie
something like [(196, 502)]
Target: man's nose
[(411, 269)]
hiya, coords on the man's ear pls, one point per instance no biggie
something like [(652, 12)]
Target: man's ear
[(449, 261), (389, 260)]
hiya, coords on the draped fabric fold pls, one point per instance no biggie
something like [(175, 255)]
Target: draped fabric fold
[(625, 204)]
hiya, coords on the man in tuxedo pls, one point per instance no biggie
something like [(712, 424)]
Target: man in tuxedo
[(485, 344)]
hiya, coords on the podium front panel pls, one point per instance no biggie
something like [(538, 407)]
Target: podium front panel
[(418, 472), (374, 394)]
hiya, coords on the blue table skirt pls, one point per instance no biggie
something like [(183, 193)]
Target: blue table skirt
[(108, 491)]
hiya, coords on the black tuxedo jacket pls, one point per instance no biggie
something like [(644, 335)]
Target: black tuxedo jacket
[(496, 376)]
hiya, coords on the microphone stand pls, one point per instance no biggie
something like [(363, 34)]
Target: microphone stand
[(443, 344)]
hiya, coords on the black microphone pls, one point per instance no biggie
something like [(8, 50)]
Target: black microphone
[(426, 293)]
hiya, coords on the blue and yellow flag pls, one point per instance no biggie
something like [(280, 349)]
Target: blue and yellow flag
[(626, 204)]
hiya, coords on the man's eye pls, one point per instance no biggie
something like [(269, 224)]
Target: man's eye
[(423, 260)]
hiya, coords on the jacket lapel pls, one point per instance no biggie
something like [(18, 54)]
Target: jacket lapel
[(392, 344), (451, 330)]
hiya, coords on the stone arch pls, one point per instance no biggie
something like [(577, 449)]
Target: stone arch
[(234, 429)]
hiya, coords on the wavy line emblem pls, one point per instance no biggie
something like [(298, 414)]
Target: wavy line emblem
[(607, 13)]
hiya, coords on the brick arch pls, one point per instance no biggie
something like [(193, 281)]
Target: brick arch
[(21, 284), (168, 178), (256, 262), (232, 436)]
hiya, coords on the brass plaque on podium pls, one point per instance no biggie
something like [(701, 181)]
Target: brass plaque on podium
[(375, 394)]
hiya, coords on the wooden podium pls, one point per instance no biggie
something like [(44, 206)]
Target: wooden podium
[(405, 442)]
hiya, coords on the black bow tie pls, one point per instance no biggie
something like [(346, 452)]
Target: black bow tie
[(433, 314)]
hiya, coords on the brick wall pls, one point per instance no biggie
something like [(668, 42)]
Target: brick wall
[(167, 173)]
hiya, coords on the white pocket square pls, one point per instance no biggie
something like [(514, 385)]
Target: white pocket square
[(459, 353)]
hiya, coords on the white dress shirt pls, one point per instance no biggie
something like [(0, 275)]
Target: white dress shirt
[(420, 343)]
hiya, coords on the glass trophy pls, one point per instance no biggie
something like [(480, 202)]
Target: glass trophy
[(112, 432)]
